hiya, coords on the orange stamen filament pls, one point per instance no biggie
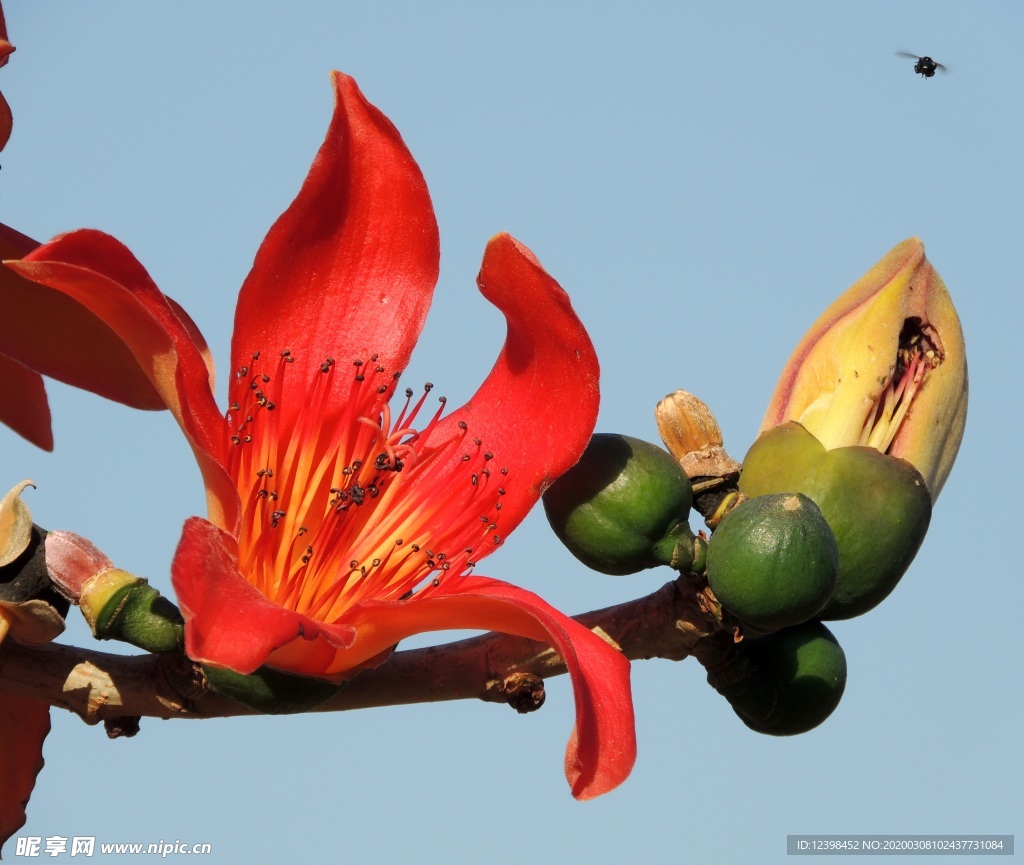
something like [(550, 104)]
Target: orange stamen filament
[(343, 503)]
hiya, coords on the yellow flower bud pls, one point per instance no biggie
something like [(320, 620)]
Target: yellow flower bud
[(884, 366)]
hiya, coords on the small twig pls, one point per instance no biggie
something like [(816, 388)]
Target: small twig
[(118, 689)]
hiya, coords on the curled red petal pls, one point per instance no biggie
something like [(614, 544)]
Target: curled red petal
[(538, 406), (24, 724), (228, 623), (101, 276), (602, 749), (349, 269), (23, 404)]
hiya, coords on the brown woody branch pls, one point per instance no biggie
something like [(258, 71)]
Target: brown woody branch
[(117, 689)]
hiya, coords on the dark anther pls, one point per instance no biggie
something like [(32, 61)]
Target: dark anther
[(357, 493), (428, 387), (477, 441), (360, 377), (374, 356), (270, 406), (408, 393), (357, 363), (474, 479), (354, 564), (247, 439), (465, 458), (262, 494), (488, 455), (235, 407), (497, 506), (325, 367), (244, 370), (382, 389), (356, 465), (255, 355), (415, 548), (399, 542), (375, 563), (372, 490), (275, 518), (501, 491), (463, 425), (286, 353), (445, 566), (504, 471), (265, 379), (397, 375), (235, 440), (435, 582)]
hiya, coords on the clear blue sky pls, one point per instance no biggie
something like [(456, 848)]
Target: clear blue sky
[(703, 179)]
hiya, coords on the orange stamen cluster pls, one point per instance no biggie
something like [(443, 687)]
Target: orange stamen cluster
[(916, 357), (343, 503)]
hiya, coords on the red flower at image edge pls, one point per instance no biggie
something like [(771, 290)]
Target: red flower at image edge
[(338, 525)]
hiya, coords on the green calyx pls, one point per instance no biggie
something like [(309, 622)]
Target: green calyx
[(135, 613), (878, 507), (269, 691), (623, 507), (788, 682), (772, 561)]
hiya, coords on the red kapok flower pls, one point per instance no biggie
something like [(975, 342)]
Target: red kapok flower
[(338, 526)]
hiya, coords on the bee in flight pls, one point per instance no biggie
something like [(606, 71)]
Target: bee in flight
[(925, 66)]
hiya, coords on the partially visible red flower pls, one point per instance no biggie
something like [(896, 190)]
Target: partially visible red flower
[(24, 722), (338, 525)]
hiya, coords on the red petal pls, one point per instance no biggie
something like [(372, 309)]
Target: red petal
[(228, 623), (602, 749), (24, 724), (56, 336), (349, 269), (23, 404), (100, 273), (538, 407), (6, 122)]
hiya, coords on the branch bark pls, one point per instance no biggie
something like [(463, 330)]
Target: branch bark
[(98, 686)]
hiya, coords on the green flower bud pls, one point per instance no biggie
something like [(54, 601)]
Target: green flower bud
[(772, 561), (878, 507), (623, 507)]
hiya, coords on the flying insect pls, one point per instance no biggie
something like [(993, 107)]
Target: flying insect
[(925, 66)]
